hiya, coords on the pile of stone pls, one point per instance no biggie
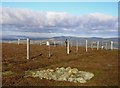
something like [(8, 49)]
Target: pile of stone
[(64, 74)]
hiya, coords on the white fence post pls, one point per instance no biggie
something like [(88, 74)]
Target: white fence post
[(111, 45), (68, 50), (54, 44), (48, 44), (98, 45), (49, 51), (28, 48), (102, 47), (18, 41), (86, 46)]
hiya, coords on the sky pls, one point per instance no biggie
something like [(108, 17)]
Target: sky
[(75, 8), (48, 19)]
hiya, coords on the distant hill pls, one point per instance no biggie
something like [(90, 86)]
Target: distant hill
[(62, 38), (72, 38)]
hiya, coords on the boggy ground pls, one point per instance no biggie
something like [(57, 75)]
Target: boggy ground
[(103, 63)]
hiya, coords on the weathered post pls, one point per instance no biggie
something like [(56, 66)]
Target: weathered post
[(111, 45), (76, 46), (102, 47), (28, 48), (86, 46), (49, 51), (18, 41), (68, 50), (98, 45), (48, 44), (54, 44)]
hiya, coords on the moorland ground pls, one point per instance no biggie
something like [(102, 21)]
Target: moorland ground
[(103, 63)]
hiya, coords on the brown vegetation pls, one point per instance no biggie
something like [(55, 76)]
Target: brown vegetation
[(104, 65)]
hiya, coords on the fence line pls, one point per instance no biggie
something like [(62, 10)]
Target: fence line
[(68, 46)]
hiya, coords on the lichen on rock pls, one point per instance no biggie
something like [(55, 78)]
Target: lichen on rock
[(64, 74)]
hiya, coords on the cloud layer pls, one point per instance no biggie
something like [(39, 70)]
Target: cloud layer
[(26, 20)]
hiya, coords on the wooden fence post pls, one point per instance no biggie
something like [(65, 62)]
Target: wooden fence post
[(76, 46), (111, 45), (28, 48), (49, 51), (98, 45), (68, 50), (48, 44), (86, 46), (102, 47), (54, 44), (18, 41)]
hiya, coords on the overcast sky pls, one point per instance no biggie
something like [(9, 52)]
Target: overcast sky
[(50, 19)]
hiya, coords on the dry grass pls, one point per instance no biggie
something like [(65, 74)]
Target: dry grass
[(104, 64)]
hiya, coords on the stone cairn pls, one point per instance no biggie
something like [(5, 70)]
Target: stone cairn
[(64, 74)]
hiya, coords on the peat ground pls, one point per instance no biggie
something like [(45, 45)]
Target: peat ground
[(102, 63)]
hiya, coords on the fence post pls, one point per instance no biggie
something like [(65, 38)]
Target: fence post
[(76, 46), (18, 41), (49, 51), (86, 46), (48, 44), (28, 48), (102, 47), (106, 46), (68, 50), (98, 45), (111, 45), (54, 44)]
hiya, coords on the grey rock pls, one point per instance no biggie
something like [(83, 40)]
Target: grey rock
[(64, 74), (75, 70), (81, 80)]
